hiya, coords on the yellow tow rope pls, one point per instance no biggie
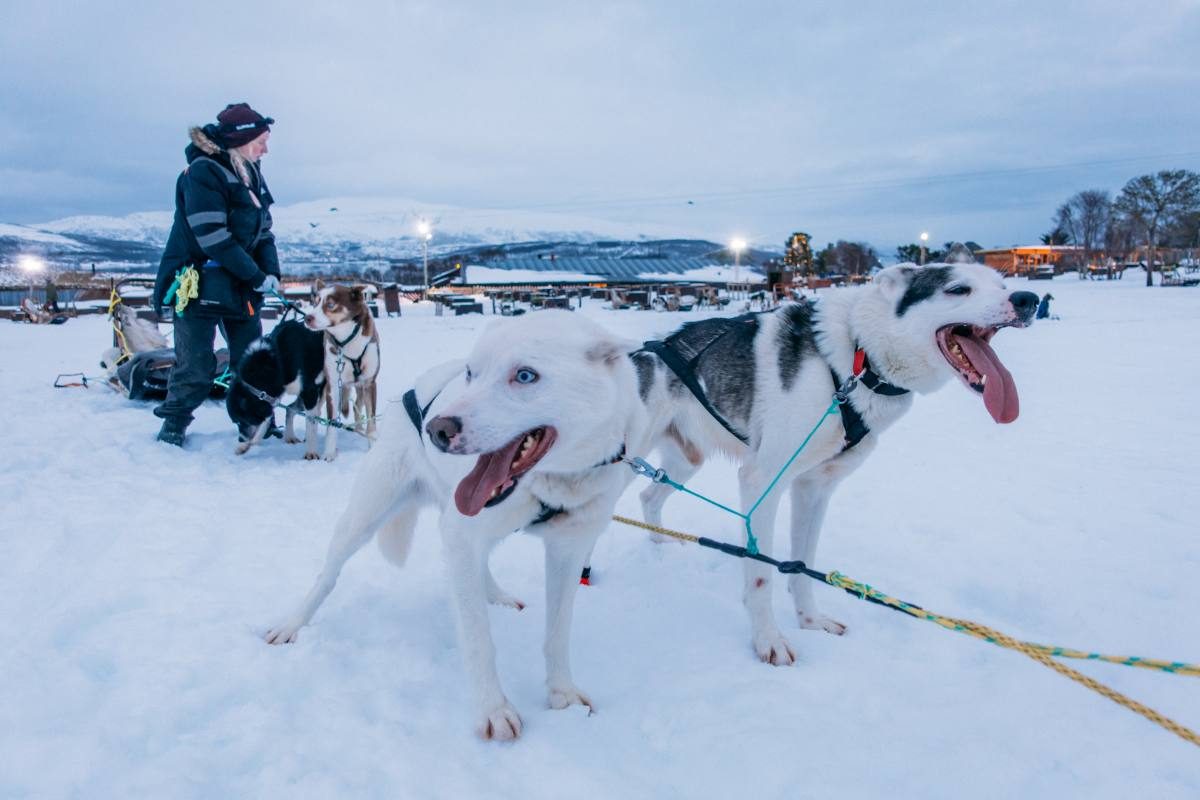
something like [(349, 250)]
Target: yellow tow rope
[(187, 288), (1043, 654)]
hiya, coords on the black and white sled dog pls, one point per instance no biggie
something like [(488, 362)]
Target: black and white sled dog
[(526, 434), (767, 378), (289, 361)]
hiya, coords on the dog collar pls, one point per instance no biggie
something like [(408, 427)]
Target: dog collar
[(870, 379), (261, 395), (349, 339)]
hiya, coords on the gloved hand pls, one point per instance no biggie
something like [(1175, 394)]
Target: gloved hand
[(269, 284)]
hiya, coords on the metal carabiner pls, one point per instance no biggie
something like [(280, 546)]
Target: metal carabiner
[(647, 470)]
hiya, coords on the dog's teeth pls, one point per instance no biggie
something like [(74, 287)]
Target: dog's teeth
[(983, 380)]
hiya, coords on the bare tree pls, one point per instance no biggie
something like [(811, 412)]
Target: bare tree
[(1085, 218), (1154, 201)]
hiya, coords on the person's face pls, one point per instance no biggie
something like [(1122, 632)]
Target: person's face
[(256, 149)]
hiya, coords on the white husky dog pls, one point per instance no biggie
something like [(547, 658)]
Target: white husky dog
[(528, 433), (767, 379)]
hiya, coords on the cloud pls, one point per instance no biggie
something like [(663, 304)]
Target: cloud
[(544, 104)]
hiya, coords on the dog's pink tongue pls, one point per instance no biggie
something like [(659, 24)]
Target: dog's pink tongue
[(490, 473), (999, 390)]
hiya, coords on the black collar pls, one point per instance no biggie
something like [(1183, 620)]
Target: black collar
[(349, 339), (870, 379), (852, 422), (548, 512), (415, 412), (261, 395)]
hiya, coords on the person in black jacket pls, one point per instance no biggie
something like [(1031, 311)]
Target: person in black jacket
[(222, 228)]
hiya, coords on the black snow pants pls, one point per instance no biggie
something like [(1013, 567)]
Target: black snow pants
[(195, 362)]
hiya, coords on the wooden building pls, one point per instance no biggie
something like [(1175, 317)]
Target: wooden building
[(1023, 260)]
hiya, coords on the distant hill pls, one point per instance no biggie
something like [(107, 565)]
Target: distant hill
[(356, 235)]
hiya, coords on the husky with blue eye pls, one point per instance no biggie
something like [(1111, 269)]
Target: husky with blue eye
[(527, 434), (341, 313)]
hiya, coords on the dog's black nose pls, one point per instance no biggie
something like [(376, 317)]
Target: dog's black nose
[(442, 431), (1024, 303)]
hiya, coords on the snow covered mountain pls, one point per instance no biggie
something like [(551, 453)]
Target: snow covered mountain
[(357, 235), (364, 227)]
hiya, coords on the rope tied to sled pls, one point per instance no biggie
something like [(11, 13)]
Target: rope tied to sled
[(1041, 653)]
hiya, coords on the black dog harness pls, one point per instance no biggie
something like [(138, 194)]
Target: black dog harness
[(685, 371), (855, 427), (355, 363), (852, 422)]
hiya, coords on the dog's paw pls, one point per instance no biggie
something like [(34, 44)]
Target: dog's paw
[(565, 696), (283, 633), (311, 456), (820, 622), (241, 448), (501, 724), (289, 439), (501, 598), (775, 649), (330, 456)]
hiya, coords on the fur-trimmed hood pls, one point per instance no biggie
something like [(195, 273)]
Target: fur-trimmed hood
[(203, 146), (203, 142)]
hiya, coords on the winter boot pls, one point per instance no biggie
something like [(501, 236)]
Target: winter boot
[(172, 431)]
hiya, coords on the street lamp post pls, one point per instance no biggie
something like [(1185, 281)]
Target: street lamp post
[(737, 246), (31, 265), (924, 240), (426, 234)]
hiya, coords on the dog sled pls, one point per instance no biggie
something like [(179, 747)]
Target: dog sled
[(140, 360), (30, 312)]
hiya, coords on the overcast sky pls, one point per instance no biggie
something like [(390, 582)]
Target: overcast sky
[(869, 121)]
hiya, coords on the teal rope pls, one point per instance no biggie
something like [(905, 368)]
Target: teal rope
[(751, 541)]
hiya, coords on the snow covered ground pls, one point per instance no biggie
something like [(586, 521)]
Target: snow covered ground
[(137, 579)]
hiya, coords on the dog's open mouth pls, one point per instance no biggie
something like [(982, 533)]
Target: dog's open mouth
[(967, 349), (496, 473)]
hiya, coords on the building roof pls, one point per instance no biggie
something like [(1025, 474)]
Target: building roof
[(615, 269), (1029, 248)]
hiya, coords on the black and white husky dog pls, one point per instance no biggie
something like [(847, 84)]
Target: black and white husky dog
[(767, 378), (289, 361)]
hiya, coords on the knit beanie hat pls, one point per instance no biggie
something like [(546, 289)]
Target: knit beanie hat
[(237, 125)]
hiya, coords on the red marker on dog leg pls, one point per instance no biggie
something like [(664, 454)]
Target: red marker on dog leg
[(585, 578)]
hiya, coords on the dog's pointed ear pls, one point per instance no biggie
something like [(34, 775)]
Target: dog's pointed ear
[(317, 286), (893, 281), (609, 351), (356, 294)]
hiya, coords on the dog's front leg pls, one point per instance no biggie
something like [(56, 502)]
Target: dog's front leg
[(333, 407), (259, 432), (810, 499), (289, 431), (769, 643), (466, 557), (566, 552), (310, 431), (376, 496)]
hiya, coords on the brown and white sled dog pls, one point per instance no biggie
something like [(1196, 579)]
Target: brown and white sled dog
[(771, 376), (351, 357), (526, 434)]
